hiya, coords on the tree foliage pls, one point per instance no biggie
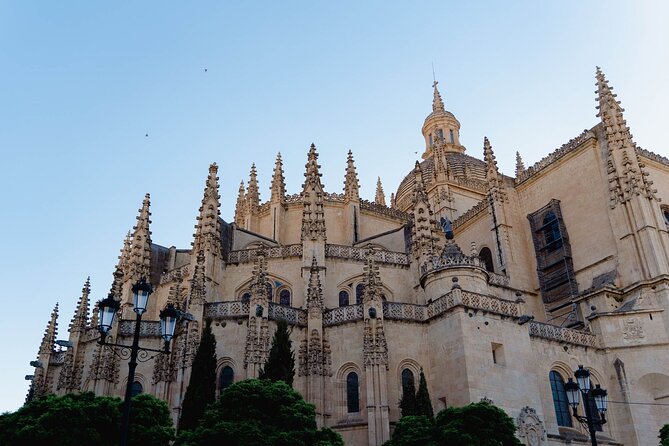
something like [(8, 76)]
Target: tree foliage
[(280, 365), (201, 389), (84, 419), (408, 401), (423, 403), (477, 424), (664, 435), (262, 413)]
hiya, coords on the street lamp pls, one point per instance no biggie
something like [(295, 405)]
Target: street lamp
[(107, 309), (582, 386)]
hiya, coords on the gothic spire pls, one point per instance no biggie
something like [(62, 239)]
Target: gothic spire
[(80, 319), (351, 185), (50, 333), (208, 228), (240, 207), (313, 217), (423, 228), (252, 192), (197, 295), (140, 249), (493, 177), (520, 166), (380, 197), (314, 289), (623, 163), (437, 103), (278, 187)]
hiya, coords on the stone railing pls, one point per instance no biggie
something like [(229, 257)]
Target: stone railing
[(385, 210), (294, 316), (274, 252), (226, 310), (404, 312), (652, 156), (498, 279), (333, 196), (470, 183), (293, 198), (471, 213), (560, 334), (549, 159), (174, 274), (146, 328), (353, 253), (438, 263), (490, 304), (342, 315), (57, 358)]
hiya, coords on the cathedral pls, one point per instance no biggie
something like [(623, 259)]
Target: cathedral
[(497, 287)]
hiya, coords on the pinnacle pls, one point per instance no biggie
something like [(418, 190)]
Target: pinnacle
[(140, 248), (437, 102), (50, 333), (520, 166), (80, 318), (351, 185), (278, 187), (380, 197), (208, 228)]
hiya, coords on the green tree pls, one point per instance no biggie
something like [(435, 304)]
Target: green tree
[(408, 401), (280, 365), (479, 424), (413, 431), (262, 413), (84, 419), (423, 403), (664, 435), (201, 389)]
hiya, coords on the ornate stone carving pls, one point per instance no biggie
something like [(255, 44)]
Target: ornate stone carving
[(530, 427), (274, 252), (70, 374), (560, 334), (257, 342), (633, 332), (360, 254), (374, 346), (105, 365)]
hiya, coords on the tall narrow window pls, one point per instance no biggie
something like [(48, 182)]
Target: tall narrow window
[(665, 214), (284, 297), (343, 298), (560, 400), (551, 232), (136, 388), (440, 134), (226, 378), (486, 257), (452, 137), (407, 378), (359, 293), (352, 393)]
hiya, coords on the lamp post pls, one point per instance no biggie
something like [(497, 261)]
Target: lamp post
[(582, 386), (168, 321)]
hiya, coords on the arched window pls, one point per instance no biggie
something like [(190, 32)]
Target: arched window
[(407, 379), (560, 399), (352, 393), (486, 257), (452, 137), (665, 213), (551, 230), (440, 134), (136, 388), (343, 298), (226, 377), (359, 293), (284, 297), (246, 297)]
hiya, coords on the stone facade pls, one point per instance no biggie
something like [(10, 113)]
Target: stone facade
[(486, 282)]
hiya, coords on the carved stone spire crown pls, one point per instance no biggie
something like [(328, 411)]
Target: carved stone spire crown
[(278, 187), (80, 318), (252, 192), (313, 215), (240, 208), (380, 197), (50, 333), (520, 166), (140, 249), (207, 235), (351, 185)]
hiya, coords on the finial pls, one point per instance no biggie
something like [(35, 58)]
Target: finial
[(380, 197), (351, 185), (208, 228), (437, 103), (520, 166)]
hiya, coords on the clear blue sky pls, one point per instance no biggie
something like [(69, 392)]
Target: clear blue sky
[(81, 83)]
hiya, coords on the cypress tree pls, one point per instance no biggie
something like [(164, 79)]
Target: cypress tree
[(423, 403), (201, 389), (408, 401), (280, 365)]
